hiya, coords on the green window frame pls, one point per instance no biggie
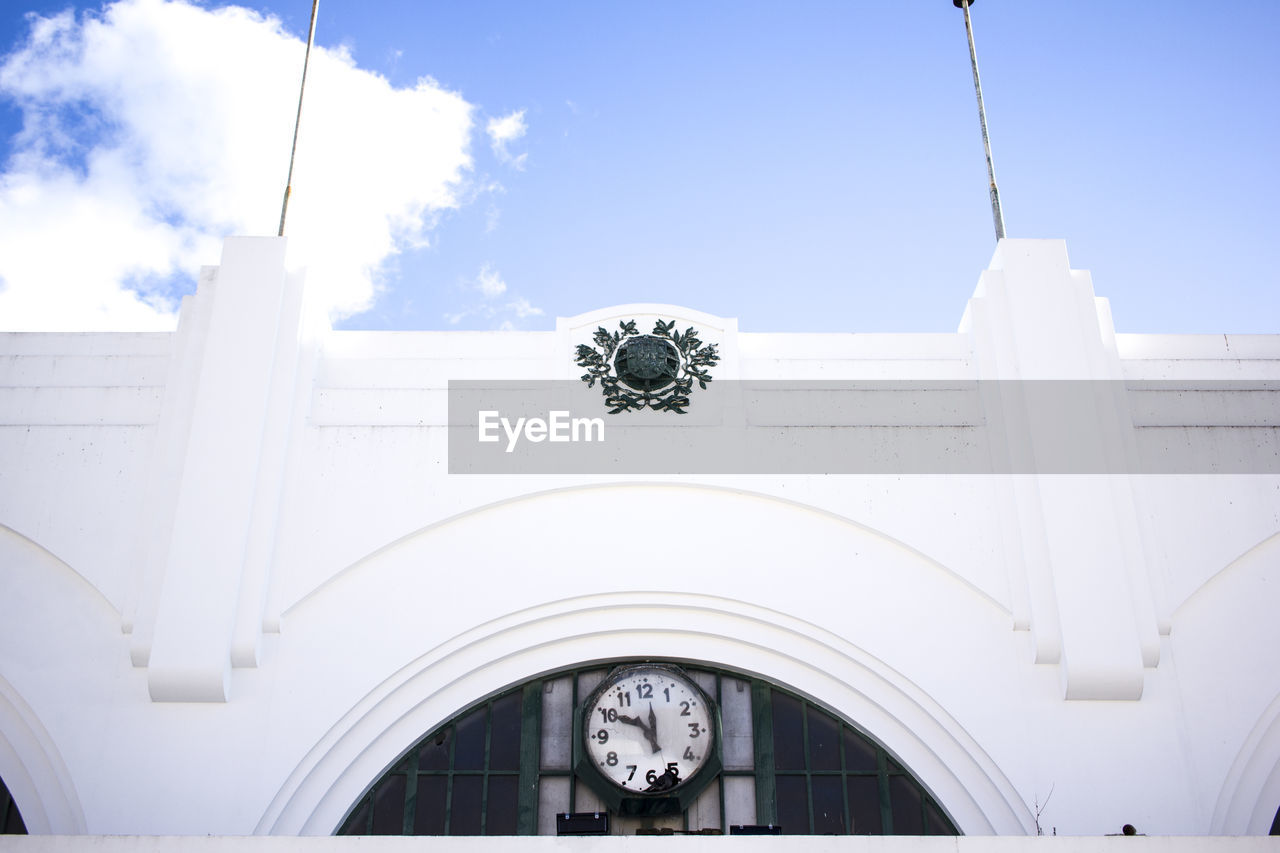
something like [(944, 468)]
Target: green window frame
[(486, 772)]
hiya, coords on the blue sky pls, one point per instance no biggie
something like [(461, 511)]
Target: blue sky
[(811, 166)]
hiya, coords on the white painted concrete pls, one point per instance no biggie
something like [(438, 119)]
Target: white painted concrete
[(239, 579)]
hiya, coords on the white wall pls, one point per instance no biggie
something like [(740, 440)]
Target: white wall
[(240, 580)]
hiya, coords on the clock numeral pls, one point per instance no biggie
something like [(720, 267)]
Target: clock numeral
[(672, 772), (666, 691), (611, 759), (610, 715), (632, 774), (644, 691), (624, 699), (694, 730), (602, 736), (684, 709), (688, 754)]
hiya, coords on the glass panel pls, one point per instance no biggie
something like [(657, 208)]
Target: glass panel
[(553, 799), (388, 806), (828, 805), (500, 808), (358, 822), (788, 736), (429, 809), (433, 754), (468, 747), (10, 818), (13, 825), (859, 753), (824, 742), (705, 811), (864, 804), (464, 810), (904, 796), (557, 722), (705, 680), (735, 719), (504, 735), (588, 681), (740, 800), (935, 822), (793, 804)]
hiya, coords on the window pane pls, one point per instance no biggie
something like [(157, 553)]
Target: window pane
[(13, 825), (859, 754), (740, 800), (433, 754), (464, 811), (904, 796), (388, 806), (553, 799), (428, 812), (788, 736), (828, 805), (468, 747), (793, 805), (704, 813), (504, 738), (735, 717), (557, 721), (588, 681), (500, 810), (864, 804), (824, 742)]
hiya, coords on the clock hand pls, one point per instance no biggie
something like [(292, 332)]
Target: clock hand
[(651, 731)]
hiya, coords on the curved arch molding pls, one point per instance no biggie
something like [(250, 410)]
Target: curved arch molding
[(1246, 589), (1248, 801), (34, 772), (482, 661)]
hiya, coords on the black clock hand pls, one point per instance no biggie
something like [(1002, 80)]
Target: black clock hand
[(647, 731), (652, 732), (631, 721)]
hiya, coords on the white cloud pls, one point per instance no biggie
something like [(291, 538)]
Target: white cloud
[(137, 157), (504, 131), (523, 308), (501, 314), (489, 283)]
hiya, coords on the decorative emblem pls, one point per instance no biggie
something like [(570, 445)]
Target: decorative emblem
[(656, 371)]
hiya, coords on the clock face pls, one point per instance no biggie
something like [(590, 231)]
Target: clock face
[(648, 729)]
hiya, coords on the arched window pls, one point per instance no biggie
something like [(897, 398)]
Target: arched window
[(10, 820), (505, 767)]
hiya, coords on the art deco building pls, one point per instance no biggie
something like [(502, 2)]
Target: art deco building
[(258, 576)]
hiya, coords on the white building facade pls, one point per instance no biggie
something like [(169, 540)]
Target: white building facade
[(250, 588)]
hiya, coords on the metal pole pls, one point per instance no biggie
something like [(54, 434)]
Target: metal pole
[(996, 214), (306, 60)]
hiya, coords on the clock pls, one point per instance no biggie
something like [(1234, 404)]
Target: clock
[(649, 732)]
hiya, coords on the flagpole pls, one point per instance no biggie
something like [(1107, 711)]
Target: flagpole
[(306, 60), (996, 213)]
